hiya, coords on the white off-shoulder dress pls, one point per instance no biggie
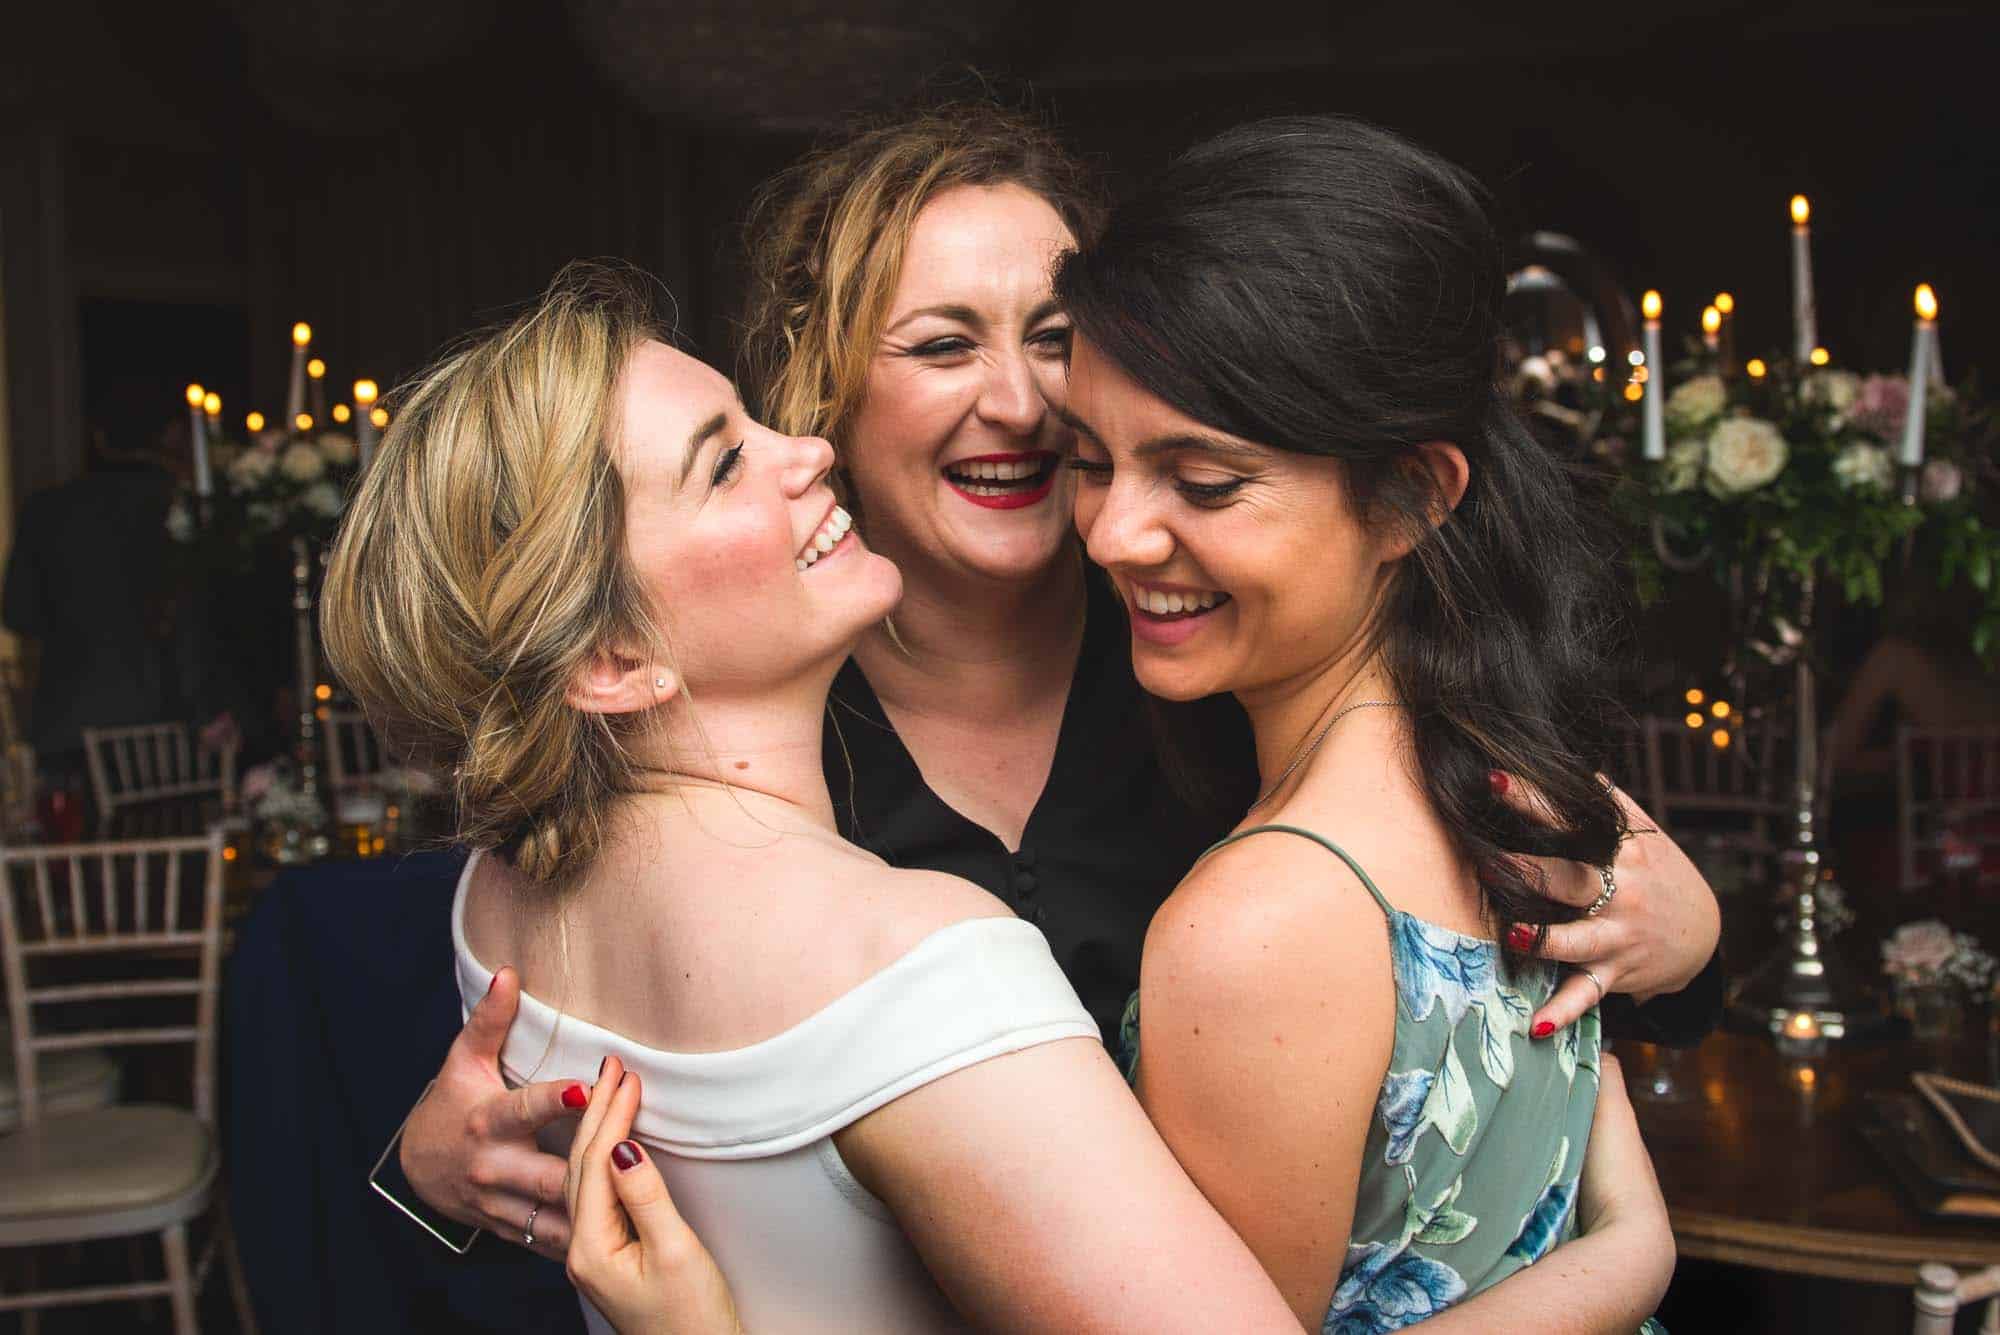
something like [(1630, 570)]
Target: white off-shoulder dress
[(744, 1137)]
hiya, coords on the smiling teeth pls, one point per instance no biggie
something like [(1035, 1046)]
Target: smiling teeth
[(826, 539), (1012, 471), (1161, 604)]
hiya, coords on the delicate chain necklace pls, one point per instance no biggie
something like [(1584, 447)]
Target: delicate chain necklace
[(1302, 756)]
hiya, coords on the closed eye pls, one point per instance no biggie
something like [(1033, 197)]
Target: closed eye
[(726, 466)]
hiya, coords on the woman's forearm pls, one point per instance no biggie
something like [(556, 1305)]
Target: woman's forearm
[(1604, 1283)]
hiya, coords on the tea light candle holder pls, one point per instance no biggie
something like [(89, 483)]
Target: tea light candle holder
[(1801, 1036)]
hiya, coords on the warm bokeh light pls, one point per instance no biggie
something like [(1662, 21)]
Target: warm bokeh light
[(1926, 302), (1720, 739), (1801, 210), (340, 412), (1597, 374), (1720, 709), (1755, 368), (316, 368), (1725, 303), (1711, 319), (1820, 357), (1695, 720), (304, 421), (1649, 305), (1640, 375), (195, 395), (254, 422), (1634, 392), (302, 333), (1695, 695), (211, 403), (229, 853), (365, 392), (322, 692), (380, 417)]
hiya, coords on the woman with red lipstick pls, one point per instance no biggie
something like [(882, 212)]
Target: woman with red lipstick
[(901, 307)]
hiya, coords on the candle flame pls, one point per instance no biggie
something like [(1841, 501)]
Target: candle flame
[(1650, 305), (254, 422), (304, 421), (1695, 695), (211, 403), (1634, 392), (1927, 305), (1694, 720), (1755, 368), (380, 417), (1820, 357), (195, 394), (302, 333), (1720, 739), (1801, 210), (340, 412), (1711, 319), (365, 392), (316, 368), (1720, 709), (1725, 303)]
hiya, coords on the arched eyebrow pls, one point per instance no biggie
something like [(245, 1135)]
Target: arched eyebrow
[(1177, 442)]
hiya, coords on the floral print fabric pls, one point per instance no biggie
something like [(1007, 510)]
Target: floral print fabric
[(1471, 1167)]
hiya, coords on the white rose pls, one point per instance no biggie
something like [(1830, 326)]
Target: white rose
[(1941, 481), (1919, 948), (323, 499), (1744, 453), (338, 449), (249, 469), (1684, 464), (180, 522), (1861, 465), (301, 463), (1697, 400), (1838, 390)]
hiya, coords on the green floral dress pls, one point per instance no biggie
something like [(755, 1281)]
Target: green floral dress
[(1472, 1161)]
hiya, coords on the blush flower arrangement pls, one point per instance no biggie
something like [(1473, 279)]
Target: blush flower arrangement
[(268, 491), (1779, 481), (1929, 954)]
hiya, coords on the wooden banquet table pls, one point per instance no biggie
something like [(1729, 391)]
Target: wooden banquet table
[(1763, 1165)]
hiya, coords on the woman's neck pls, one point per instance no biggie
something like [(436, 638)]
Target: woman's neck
[(767, 746), (1288, 717), (966, 644)]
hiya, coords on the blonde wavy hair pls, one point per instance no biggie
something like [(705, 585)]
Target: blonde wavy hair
[(826, 239), (482, 565)]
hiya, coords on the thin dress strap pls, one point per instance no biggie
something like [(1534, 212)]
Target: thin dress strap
[(1319, 839)]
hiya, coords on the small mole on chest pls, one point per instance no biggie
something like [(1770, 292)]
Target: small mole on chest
[(743, 764)]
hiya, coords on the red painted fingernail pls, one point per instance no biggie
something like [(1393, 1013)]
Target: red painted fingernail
[(1498, 782), (1543, 1029), (1521, 937), (574, 1097), (625, 1154)]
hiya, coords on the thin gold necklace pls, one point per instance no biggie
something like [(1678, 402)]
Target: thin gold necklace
[(1300, 759)]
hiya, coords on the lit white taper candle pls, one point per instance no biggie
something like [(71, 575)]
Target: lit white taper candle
[(1711, 328), (197, 402), (316, 375), (1652, 408), (364, 421), (1805, 318), (1911, 453), (295, 397)]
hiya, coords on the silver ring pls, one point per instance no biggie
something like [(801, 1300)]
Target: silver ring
[(1610, 889), (528, 1233), (1595, 979)]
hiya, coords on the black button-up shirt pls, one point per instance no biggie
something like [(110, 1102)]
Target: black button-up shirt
[(1108, 838)]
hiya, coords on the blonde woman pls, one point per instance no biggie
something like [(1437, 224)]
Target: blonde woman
[(584, 578), (901, 308)]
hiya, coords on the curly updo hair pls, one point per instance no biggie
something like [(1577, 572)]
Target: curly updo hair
[(482, 564), (825, 240), (1326, 287)]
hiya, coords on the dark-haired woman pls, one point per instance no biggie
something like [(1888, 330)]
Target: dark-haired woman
[(902, 309), (1300, 479)]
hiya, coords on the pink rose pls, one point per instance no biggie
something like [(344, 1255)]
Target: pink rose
[(1883, 403), (257, 781), (1941, 481)]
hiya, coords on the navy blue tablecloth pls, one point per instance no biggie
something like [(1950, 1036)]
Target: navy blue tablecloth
[(339, 1003)]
